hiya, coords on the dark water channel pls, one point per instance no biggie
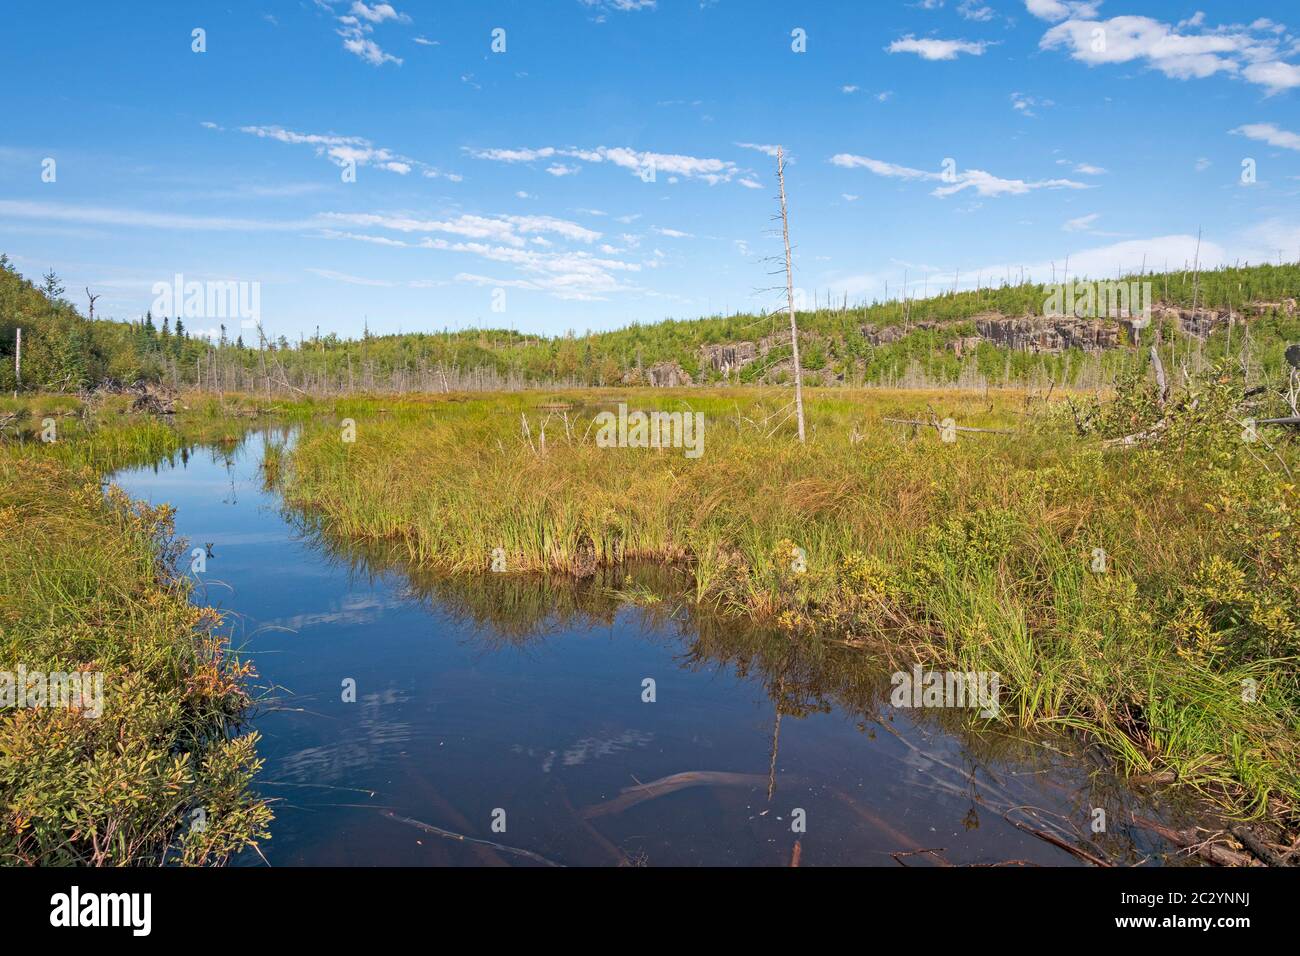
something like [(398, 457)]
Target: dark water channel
[(522, 702)]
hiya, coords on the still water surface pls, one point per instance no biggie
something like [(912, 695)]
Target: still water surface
[(494, 694)]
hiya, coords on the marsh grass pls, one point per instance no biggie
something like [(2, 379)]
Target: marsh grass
[(973, 555)]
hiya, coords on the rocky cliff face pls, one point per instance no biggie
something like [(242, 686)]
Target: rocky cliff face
[(1029, 333), (663, 375), (1048, 334), (728, 359), (892, 333)]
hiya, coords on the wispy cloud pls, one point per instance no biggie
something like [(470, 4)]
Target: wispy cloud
[(1183, 51), (512, 230), (1084, 169), (513, 241), (974, 10), (1271, 134), (357, 26), (345, 150), (765, 148), (1055, 10), (983, 183), (1028, 105), (639, 162), (377, 13), (621, 6), (930, 49)]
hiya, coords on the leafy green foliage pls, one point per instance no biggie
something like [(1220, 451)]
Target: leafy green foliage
[(86, 585)]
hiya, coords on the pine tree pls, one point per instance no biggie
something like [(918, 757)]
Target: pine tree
[(52, 288)]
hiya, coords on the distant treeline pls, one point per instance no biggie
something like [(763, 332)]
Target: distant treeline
[(63, 350)]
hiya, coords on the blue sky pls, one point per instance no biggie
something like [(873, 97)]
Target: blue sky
[(612, 163)]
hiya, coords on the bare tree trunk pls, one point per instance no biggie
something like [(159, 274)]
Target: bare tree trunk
[(789, 292)]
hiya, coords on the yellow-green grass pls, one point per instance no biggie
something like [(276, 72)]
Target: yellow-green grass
[(85, 587), (976, 555)]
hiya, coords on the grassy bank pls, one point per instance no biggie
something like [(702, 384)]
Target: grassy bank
[(1178, 653), (156, 770)]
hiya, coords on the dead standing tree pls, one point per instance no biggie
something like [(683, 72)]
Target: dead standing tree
[(789, 291)]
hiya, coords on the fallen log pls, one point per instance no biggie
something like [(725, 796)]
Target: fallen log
[(1257, 846), (631, 796), (1189, 840), (1138, 438), (938, 426)]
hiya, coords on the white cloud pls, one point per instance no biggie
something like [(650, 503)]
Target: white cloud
[(377, 13), (368, 50), (929, 49), (1275, 75), (990, 186), (1082, 223), (512, 155), (342, 150), (622, 6), (357, 26), (1271, 134), (1026, 104), (711, 171), (519, 242), (1186, 51), (879, 167), (673, 233), (510, 230), (974, 10), (1062, 9), (983, 183)]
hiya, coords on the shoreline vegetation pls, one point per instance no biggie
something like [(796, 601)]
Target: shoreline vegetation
[(89, 584)]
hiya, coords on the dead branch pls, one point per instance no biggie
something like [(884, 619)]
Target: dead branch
[(937, 426)]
